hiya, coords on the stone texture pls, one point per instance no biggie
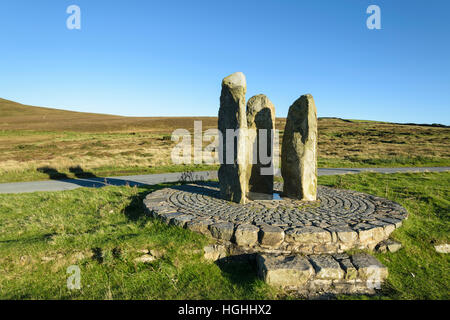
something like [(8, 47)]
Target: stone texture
[(214, 252), (308, 235), (388, 229), (388, 245), (368, 267), (396, 222), (326, 267), (222, 230), (200, 226), (260, 116), (167, 217), (299, 150), (393, 246), (343, 233), (270, 236), (156, 253), (181, 220), (350, 271), (284, 271), (232, 115), (365, 232), (320, 274), (146, 258), (442, 248), (246, 235), (378, 234)]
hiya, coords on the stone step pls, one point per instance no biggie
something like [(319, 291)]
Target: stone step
[(310, 275)]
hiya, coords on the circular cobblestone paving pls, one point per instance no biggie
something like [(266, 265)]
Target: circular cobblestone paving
[(339, 220)]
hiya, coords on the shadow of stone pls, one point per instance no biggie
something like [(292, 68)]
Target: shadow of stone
[(239, 269), (245, 257), (86, 179), (203, 188), (135, 210), (52, 173), (80, 173), (44, 237)]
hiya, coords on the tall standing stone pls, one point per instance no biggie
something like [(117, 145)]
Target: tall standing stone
[(232, 176), (299, 150), (260, 122)]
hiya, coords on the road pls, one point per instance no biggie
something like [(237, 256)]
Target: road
[(150, 179)]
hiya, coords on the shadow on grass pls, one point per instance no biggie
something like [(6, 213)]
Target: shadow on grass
[(44, 237), (52, 173), (80, 173), (240, 270)]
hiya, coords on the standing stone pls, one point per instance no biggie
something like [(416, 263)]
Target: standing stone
[(260, 117), (299, 150), (232, 176)]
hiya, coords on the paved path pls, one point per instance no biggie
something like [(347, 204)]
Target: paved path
[(149, 179)]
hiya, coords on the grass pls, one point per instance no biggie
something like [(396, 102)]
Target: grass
[(34, 140), (44, 233)]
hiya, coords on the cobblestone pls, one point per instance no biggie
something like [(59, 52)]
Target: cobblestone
[(339, 220)]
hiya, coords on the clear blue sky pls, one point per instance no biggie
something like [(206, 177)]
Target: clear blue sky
[(152, 58)]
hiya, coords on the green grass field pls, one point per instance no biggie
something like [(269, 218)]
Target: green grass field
[(102, 231)]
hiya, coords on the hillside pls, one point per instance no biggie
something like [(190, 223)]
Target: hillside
[(16, 116)]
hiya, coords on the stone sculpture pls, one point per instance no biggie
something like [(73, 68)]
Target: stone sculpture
[(242, 170), (260, 122), (299, 150), (232, 147)]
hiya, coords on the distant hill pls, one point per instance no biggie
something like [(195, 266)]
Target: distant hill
[(16, 116)]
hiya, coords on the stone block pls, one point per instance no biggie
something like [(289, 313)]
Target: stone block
[(214, 252), (369, 268), (326, 267), (270, 236), (442, 248), (308, 235), (343, 234), (378, 234), (222, 230), (388, 245), (351, 273), (246, 235), (167, 217), (365, 233), (200, 226), (388, 229), (284, 271), (396, 222), (181, 220)]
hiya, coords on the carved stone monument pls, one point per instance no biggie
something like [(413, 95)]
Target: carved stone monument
[(232, 148), (260, 122), (297, 245), (299, 150)]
